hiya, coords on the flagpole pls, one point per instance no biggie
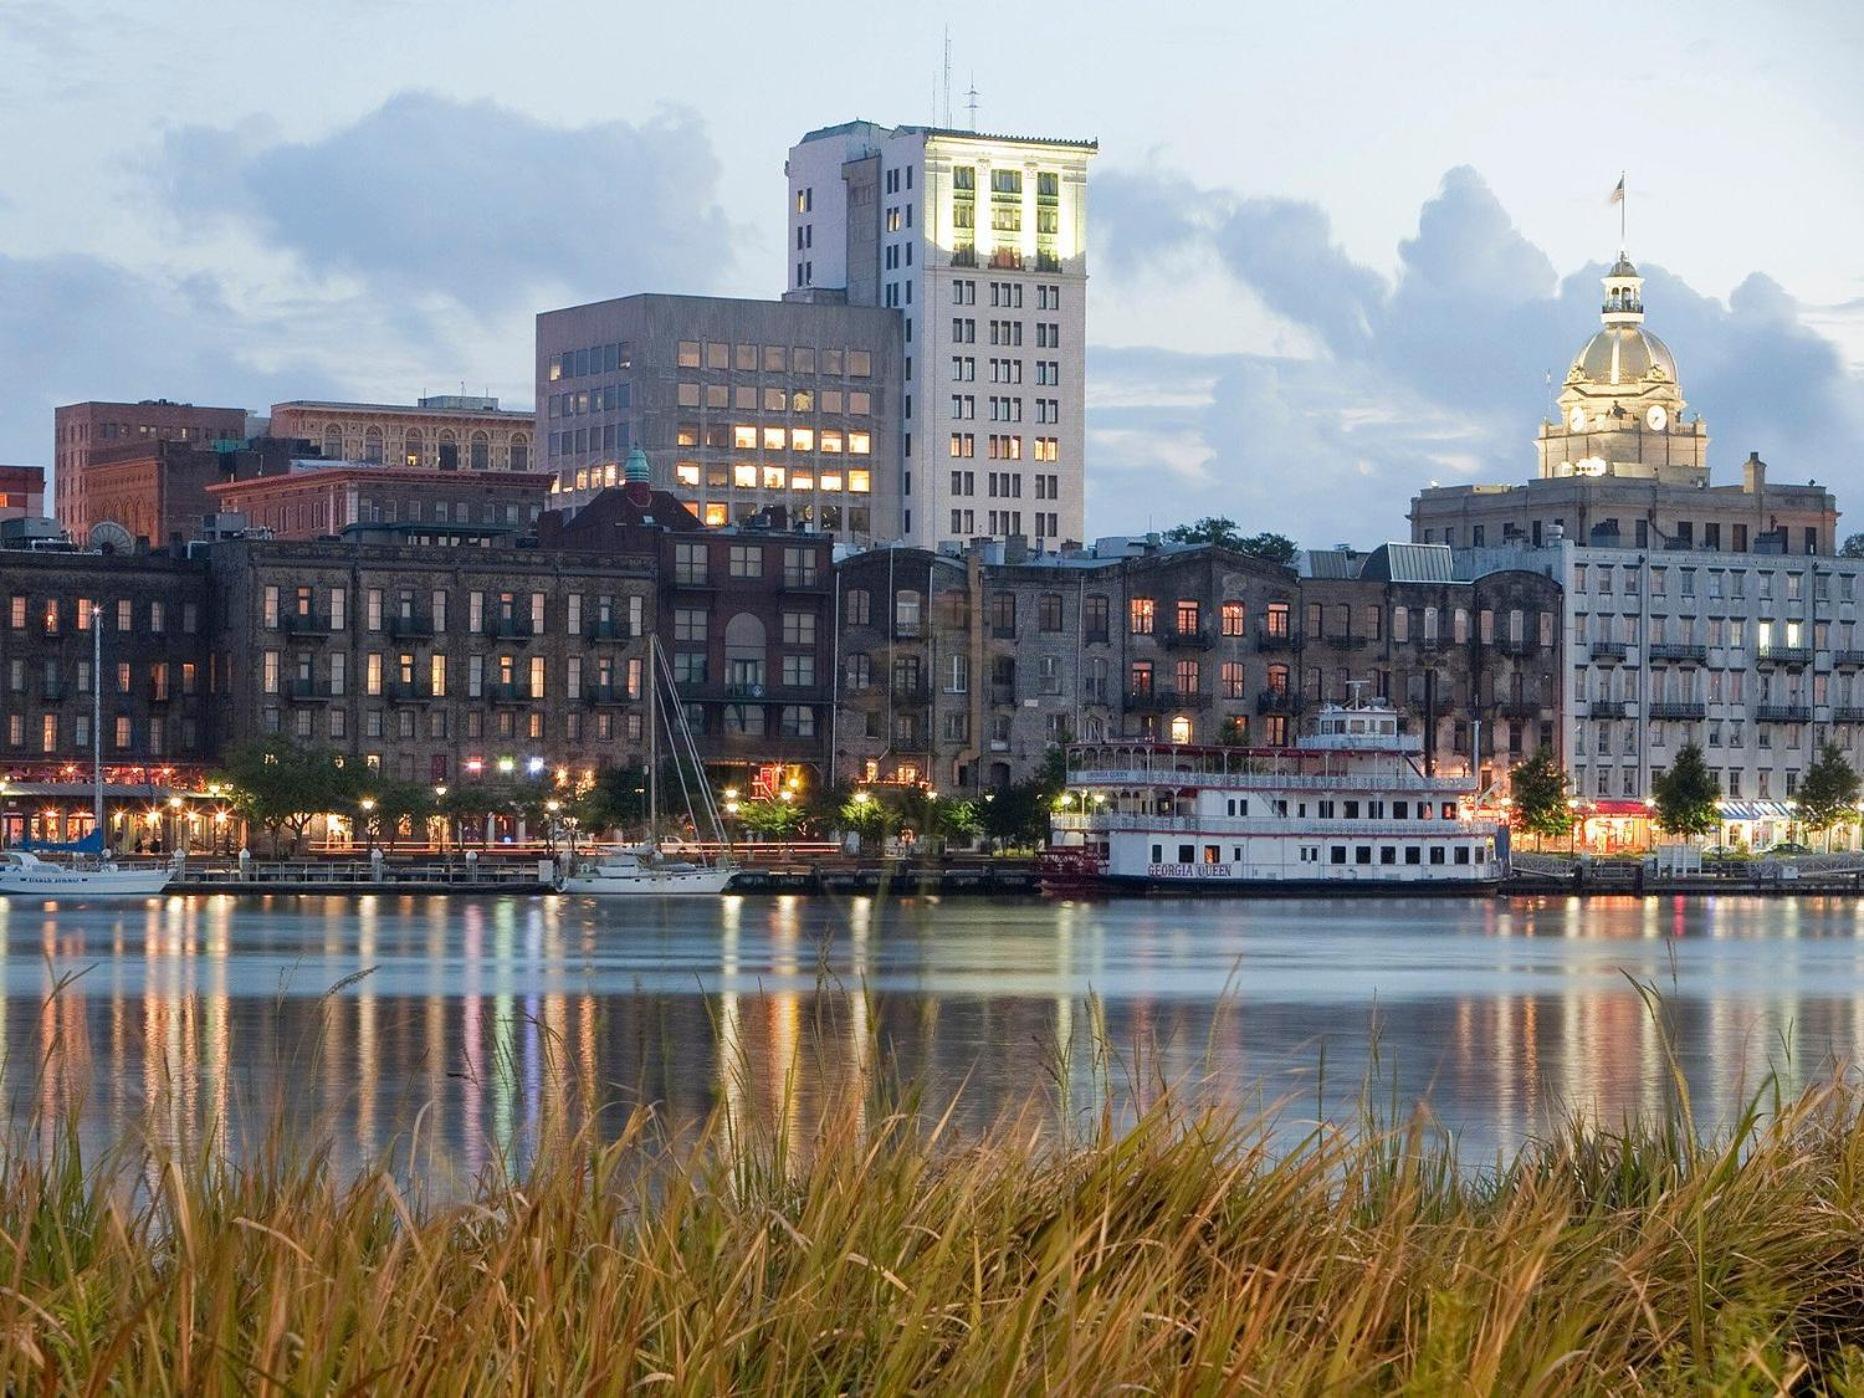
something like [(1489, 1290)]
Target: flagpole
[(1623, 199)]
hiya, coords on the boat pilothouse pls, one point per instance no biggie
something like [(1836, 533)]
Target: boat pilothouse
[(1349, 804)]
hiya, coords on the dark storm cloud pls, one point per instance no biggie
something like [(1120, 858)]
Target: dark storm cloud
[(1441, 374), (482, 203)]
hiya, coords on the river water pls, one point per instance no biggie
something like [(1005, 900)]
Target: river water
[(473, 1024)]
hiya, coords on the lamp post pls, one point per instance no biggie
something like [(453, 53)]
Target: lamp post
[(367, 806)]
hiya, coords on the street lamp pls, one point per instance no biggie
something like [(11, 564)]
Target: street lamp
[(367, 806)]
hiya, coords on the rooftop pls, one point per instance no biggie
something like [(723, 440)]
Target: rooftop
[(858, 125), (430, 407)]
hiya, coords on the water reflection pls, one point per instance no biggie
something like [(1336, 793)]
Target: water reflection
[(491, 1023)]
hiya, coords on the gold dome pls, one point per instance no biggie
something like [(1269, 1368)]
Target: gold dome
[(1622, 355)]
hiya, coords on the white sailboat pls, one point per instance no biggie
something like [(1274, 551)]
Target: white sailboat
[(646, 870), (23, 873)]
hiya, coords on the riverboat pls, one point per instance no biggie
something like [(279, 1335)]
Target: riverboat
[(25, 874), (1354, 804)]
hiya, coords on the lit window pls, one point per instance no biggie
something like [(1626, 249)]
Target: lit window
[(715, 516), (608, 474), (744, 438), (1181, 730), (831, 480), (582, 478), (687, 472), (773, 439), (860, 444), (744, 476), (775, 477), (802, 480), (802, 439), (860, 482), (831, 440)]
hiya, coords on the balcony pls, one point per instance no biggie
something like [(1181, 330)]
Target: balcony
[(762, 747), (1143, 700), (1269, 638), (1609, 652), (1608, 708), (1278, 701), (1047, 261), (1195, 639), (915, 691), (908, 630), (613, 629), (1521, 708), (1686, 651), (308, 691), (410, 624), (509, 628), (1006, 259), (1783, 655), (1783, 713), (964, 257), (1847, 713), (1347, 642), (1678, 708), (692, 578), (53, 691), (601, 696), (1848, 659), (1509, 645), (508, 693), (1002, 633), (408, 692), (304, 623)]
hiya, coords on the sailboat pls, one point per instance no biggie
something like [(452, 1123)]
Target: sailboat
[(23, 872), (645, 870)]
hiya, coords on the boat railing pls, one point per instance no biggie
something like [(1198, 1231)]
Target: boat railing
[(1258, 781), (1133, 822)]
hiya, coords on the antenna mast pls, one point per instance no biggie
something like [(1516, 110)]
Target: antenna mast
[(945, 118), (971, 101)]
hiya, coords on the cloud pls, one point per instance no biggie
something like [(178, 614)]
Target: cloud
[(487, 206), (1437, 373), (75, 327)]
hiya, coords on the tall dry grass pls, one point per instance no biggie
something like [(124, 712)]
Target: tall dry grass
[(1194, 1250)]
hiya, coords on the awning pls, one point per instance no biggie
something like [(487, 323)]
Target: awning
[(1616, 808), (1756, 810)]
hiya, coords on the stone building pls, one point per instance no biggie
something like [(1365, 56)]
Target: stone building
[(443, 432), (740, 405), (150, 615)]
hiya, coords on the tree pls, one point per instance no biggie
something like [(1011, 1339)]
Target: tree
[(868, 817), (380, 807), (1688, 795), (280, 786), (1211, 529), (1233, 732), (1853, 547), (774, 820), (617, 797), (1276, 548), (1541, 805), (1828, 792)]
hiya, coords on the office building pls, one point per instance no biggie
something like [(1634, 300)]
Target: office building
[(739, 405), (979, 244), (443, 432)]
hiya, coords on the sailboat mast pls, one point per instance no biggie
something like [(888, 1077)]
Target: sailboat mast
[(97, 718), (653, 740)]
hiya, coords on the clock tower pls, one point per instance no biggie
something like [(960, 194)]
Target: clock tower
[(1621, 406)]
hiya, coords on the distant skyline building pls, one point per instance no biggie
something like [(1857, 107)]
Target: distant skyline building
[(738, 404), (979, 244), (441, 432)]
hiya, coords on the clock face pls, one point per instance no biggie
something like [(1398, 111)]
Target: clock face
[(1578, 419), (1656, 417)]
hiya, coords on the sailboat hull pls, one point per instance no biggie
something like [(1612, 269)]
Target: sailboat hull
[(647, 882), (52, 881)]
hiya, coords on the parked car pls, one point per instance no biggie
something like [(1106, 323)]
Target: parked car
[(1786, 847)]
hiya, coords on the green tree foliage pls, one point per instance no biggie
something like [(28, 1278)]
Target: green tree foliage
[(868, 816), (392, 804), (616, 799), (772, 819), (1541, 801), (1828, 792), (1216, 529), (277, 785), (1853, 547), (1688, 795)]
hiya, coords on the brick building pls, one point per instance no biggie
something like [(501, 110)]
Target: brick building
[(83, 429), (22, 492), (158, 698), (305, 499)]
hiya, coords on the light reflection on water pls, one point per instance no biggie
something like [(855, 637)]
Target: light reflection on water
[(494, 1021)]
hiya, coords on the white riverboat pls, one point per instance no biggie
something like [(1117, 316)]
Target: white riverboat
[(25, 874), (643, 872), (1350, 805)]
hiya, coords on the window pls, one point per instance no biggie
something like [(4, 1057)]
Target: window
[(689, 564), (1048, 612), (1141, 613), (1094, 620), (747, 561), (1232, 618)]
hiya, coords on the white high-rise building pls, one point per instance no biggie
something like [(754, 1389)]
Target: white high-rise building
[(980, 243)]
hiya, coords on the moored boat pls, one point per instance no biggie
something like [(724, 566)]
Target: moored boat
[(1351, 805), (25, 874)]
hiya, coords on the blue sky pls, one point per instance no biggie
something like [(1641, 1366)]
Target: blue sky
[(1337, 247)]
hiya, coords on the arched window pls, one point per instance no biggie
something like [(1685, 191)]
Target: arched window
[(449, 450), (372, 446), (411, 447), (481, 452), (520, 452), (745, 650), (333, 443)]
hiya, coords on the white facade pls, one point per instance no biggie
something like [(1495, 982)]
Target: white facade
[(979, 243)]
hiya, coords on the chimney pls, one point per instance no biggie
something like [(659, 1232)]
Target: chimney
[(1753, 474)]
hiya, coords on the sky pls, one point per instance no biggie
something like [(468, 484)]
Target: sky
[(1335, 249)]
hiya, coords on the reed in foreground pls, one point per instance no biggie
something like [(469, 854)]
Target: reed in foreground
[(1191, 1252)]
